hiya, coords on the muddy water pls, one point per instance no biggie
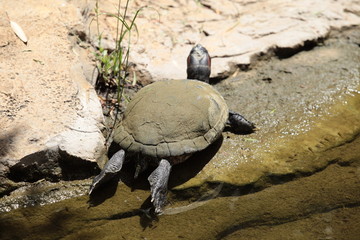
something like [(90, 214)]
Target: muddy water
[(298, 177)]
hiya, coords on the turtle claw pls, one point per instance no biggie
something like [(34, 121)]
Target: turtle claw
[(158, 183), (111, 168), (240, 124)]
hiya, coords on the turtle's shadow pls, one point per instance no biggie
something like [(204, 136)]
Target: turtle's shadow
[(106, 191), (183, 172)]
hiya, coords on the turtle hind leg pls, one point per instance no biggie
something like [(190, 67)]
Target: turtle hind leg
[(111, 168), (239, 124), (158, 183)]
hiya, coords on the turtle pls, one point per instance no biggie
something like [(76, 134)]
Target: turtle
[(164, 124)]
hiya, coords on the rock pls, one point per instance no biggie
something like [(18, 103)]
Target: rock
[(51, 118), (235, 33), (42, 192)]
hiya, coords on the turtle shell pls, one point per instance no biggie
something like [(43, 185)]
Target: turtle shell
[(171, 118)]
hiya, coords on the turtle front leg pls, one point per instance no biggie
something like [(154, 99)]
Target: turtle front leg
[(158, 183), (239, 124), (111, 168)]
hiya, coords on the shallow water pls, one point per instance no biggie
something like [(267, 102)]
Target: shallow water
[(297, 177)]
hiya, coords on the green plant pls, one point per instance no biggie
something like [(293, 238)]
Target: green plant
[(114, 66)]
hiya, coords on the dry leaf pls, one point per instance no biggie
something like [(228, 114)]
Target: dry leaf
[(18, 31)]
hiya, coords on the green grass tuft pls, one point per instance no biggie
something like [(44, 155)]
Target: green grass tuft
[(113, 66)]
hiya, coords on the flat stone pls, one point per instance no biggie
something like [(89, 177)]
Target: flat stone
[(233, 32)]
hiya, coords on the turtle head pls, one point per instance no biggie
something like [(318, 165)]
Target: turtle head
[(199, 64)]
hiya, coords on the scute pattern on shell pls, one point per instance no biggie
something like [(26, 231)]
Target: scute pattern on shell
[(171, 118)]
